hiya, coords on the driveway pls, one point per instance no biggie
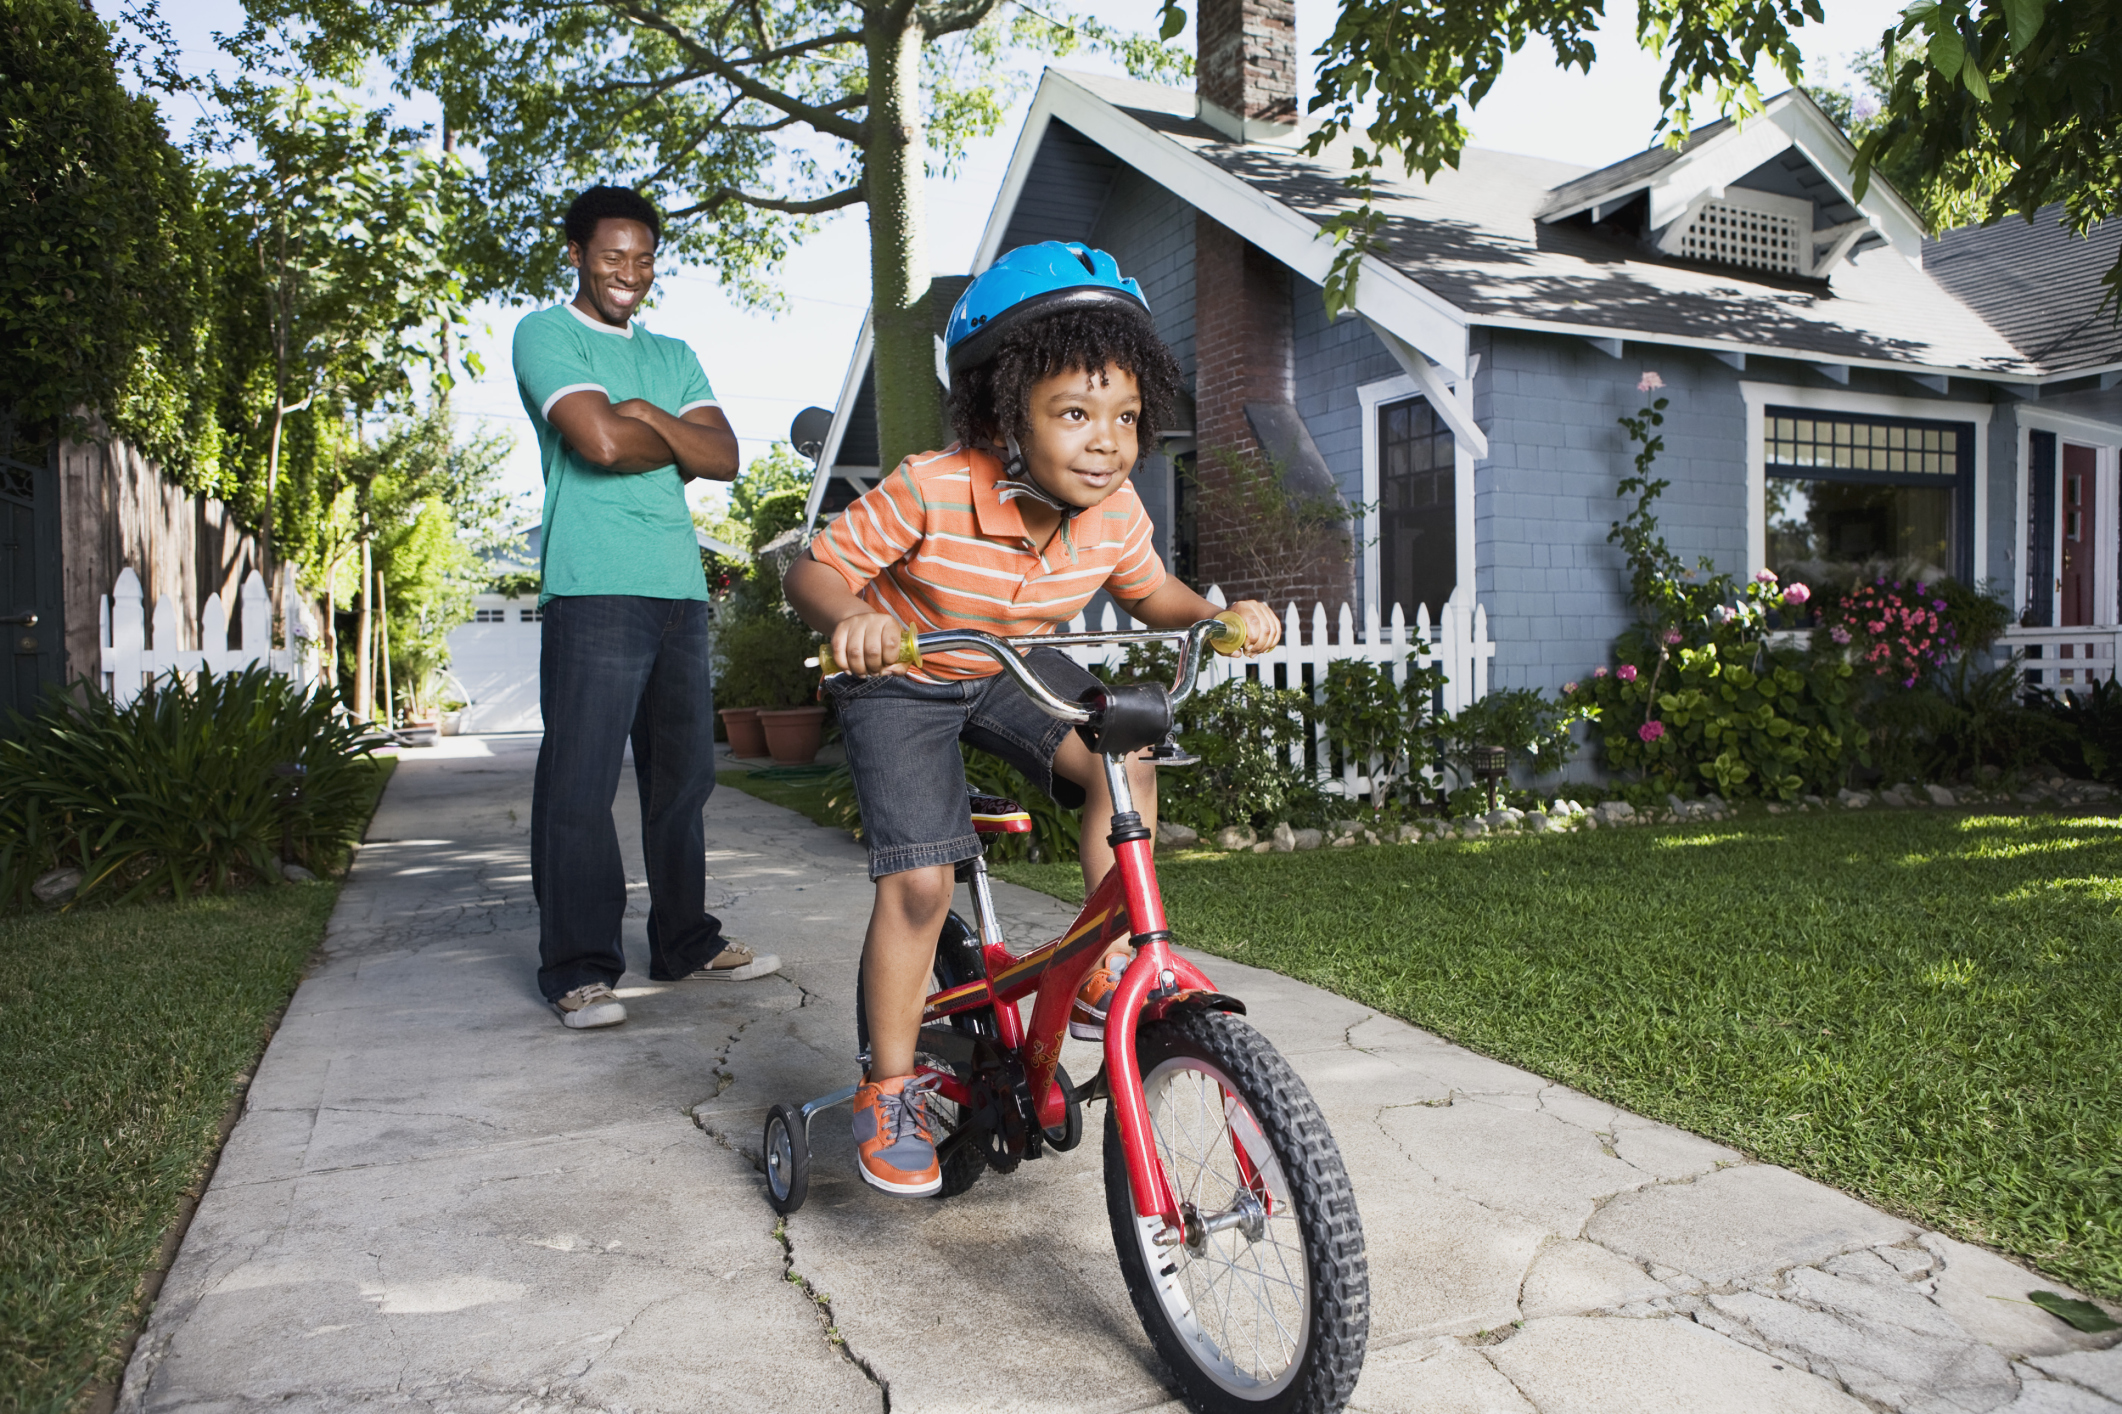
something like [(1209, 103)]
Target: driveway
[(440, 1198)]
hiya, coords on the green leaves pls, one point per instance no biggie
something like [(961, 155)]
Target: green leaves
[(1173, 20), (175, 792), (2081, 1315)]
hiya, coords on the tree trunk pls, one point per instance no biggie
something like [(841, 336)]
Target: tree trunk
[(364, 659), (383, 649), (909, 399)]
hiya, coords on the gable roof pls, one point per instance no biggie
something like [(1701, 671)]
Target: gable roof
[(1471, 246), (2039, 285)]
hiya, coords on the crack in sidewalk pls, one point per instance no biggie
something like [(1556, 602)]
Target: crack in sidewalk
[(822, 1304)]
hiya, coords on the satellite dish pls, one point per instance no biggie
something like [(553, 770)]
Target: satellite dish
[(808, 432)]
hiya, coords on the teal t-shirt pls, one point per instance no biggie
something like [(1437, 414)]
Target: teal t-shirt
[(610, 532)]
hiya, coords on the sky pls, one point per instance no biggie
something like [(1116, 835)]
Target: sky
[(766, 367)]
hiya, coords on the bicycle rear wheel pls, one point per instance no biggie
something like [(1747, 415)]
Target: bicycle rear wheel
[(1265, 1308)]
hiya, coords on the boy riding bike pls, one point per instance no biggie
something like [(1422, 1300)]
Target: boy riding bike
[(1058, 384)]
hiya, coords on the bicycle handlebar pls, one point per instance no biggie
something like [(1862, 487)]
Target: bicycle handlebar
[(1225, 633)]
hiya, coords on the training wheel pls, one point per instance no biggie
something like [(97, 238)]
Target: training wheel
[(787, 1159)]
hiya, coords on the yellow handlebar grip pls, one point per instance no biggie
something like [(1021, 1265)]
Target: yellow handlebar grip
[(909, 653), (1232, 638)]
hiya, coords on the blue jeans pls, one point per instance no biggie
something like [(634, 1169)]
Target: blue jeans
[(614, 666)]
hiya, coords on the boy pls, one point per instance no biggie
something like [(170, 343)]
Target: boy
[(1058, 382)]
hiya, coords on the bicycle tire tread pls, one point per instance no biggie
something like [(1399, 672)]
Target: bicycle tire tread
[(1337, 1266)]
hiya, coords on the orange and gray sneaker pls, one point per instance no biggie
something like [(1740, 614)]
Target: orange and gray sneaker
[(894, 1145), (1086, 1019)]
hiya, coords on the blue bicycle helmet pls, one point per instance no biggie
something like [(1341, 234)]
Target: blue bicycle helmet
[(1029, 281)]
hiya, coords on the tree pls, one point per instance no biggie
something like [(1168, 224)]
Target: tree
[(745, 120), (2015, 101), (107, 286), (341, 223)]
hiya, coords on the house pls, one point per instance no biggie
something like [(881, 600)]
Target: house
[(1845, 391)]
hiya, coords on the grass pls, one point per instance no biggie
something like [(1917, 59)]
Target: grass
[(807, 790), (124, 1037), (123, 1040), (1923, 1009)]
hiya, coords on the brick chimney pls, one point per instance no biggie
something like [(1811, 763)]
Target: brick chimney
[(1245, 69)]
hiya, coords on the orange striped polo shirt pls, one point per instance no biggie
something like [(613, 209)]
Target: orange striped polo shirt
[(935, 546)]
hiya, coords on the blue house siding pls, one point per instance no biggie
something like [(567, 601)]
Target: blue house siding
[(1151, 233), (1555, 590)]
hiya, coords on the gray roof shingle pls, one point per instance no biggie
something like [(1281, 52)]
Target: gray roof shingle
[(2038, 284)]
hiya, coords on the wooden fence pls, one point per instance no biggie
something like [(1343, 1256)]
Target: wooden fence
[(1458, 642), (135, 652)]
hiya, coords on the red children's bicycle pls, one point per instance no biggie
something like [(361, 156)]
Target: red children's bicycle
[(1235, 1223)]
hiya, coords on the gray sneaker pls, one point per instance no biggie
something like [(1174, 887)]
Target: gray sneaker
[(735, 963), (593, 1005)]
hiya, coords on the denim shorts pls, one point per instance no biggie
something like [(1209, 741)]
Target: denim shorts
[(902, 747)]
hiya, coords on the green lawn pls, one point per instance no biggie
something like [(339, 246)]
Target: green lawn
[(1921, 1008), (123, 1037)]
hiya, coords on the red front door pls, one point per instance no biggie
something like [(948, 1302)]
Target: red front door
[(2078, 533)]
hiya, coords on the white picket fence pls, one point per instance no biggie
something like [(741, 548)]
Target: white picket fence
[(1458, 642), (135, 653)]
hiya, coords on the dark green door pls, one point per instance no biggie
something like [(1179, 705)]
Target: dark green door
[(32, 637)]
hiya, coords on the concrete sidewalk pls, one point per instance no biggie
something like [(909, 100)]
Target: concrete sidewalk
[(438, 1197)]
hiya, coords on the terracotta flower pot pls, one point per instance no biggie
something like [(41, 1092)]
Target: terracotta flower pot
[(745, 736), (794, 735)]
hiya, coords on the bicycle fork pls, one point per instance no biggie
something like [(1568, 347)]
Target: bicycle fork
[(1151, 971)]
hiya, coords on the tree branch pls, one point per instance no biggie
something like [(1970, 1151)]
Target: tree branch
[(814, 207), (953, 16), (821, 119), (801, 47)]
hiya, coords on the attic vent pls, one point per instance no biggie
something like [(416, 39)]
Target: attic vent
[(1754, 230), (1733, 235)]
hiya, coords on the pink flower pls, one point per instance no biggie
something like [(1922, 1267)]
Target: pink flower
[(1796, 594), (1569, 689), (1598, 672), (1764, 576), (1839, 634), (1649, 382), (1651, 731), (1626, 672), (1723, 613), (1671, 637)]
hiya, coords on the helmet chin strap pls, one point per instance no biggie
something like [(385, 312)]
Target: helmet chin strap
[(1017, 481)]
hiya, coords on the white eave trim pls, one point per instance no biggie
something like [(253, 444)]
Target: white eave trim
[(843, 409), (1422, 318)]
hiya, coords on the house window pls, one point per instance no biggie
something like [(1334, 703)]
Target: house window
[(1850, 496), (1186, 522), (1418, 559), (489, 616)]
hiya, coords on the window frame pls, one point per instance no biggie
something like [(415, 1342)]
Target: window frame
[(1960, 481), (1971, 560), (1372, 398)]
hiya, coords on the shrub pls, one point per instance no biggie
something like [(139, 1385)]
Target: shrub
[(760, 646), (1391, 727), (2086, 727), (176, 790), (1244, 732), (1533, 731)]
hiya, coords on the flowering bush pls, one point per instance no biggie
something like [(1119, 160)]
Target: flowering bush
[(1895, 630)]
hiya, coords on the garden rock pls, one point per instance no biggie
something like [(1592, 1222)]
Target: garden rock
[(57, 886), (1347, 827), (1310, 839), (1283, 838), (1344, 841), (1939, 795), (1815, 802), (1264, 847), (1409, 834), (1500, 819), (1235, 837), (1472, 829), (1612, 812), (1892, 796), (1853, 799), (296, 874), (1537, 822), (1177, 836)]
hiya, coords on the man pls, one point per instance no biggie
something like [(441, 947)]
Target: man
[(625, 418)]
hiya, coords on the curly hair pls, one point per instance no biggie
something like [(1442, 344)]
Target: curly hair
[(990, 402), (605, 203)]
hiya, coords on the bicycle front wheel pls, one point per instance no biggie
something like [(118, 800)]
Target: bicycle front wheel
[(1265, 1306)]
